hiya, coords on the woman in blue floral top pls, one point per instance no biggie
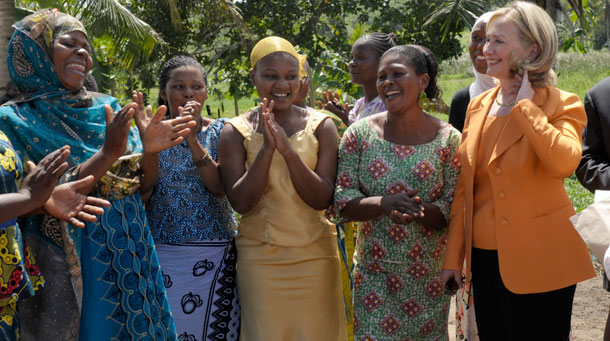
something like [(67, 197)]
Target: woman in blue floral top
[(191, 220), (397, 172)]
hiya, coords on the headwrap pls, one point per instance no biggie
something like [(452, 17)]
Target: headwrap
[(482, 82), (272, 44), (42, 115)]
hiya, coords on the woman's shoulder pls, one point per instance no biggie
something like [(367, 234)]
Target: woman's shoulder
[(242, 123)]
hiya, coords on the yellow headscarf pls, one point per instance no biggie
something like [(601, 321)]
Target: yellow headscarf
[(272, 44)]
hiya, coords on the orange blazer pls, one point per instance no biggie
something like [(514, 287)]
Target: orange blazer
[(538, 248)]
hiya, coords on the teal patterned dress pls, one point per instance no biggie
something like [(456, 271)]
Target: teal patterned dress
[(103, 282), (397, 290)]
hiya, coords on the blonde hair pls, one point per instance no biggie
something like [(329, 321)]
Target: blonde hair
[(534, 27)]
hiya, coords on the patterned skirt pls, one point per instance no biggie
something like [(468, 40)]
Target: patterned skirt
[(200, 281)]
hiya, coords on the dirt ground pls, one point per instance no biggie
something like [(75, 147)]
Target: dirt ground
[(589, 313)]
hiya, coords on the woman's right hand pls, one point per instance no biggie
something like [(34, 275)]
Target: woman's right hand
[(402, 208), (117, 130), (193, 109), (268, 138)]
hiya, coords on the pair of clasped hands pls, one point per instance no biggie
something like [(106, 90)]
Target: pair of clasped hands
[(274, 136)]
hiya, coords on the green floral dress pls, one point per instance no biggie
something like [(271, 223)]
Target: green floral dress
[(397, 290)]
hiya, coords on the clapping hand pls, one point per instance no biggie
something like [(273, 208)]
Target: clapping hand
[(275, 130), (193, 109), (158, 134), (264, 111), (66, 203), (39, 183), (117, 130), (332, 103), (63, 201)]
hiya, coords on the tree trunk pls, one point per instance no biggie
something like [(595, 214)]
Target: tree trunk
[(236, 106), (7, 18)]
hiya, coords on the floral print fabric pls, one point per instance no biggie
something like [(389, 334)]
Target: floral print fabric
[(397, 291), (19, 274)]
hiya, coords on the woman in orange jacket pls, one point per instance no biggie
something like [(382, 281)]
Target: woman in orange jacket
[(509, 218)]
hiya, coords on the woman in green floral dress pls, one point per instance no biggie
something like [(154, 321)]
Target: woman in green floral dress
[(397, 173)]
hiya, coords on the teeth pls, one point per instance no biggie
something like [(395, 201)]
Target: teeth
[(283, 94), (390, 93), (77, 67)]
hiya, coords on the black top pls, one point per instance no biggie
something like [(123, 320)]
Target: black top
[(457, 110), (594, 169)]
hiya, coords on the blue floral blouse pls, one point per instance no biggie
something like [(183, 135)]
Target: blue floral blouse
[(181, 208)]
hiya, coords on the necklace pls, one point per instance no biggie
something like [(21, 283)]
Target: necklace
[(505, 104)]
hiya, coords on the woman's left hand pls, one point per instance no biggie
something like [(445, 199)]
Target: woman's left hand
[(158, 134), (66, 203), (279, 134), (521, 87)]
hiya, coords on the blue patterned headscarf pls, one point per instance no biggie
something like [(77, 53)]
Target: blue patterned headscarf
[(42, 115)]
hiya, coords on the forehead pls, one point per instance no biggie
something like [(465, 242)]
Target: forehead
[(480, 26), (502, 27), (394, 60), (363, 46), (186, 71), (74, 35), (278, 61)]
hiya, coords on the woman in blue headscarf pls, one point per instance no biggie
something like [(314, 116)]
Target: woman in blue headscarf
[(103, 281)]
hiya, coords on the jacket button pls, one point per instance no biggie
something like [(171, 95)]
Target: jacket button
[(504, 221), (501, 195), (498, 171)]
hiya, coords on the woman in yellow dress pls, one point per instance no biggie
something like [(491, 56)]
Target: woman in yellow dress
[(278, 165)]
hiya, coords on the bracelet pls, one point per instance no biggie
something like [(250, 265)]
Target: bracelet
[(204, 161)]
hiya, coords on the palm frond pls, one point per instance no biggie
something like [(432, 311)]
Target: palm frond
[(133, 39), (452, 12)]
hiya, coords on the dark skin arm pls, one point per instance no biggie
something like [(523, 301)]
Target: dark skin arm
[(210, 173), (115, 143), (244, 188), (401, 208), (38, 190)]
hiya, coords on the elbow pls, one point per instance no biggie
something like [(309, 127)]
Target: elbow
[(319, 205), (240, 206), (217, 191)]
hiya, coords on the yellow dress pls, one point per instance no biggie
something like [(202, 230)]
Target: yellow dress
[(288, 272)]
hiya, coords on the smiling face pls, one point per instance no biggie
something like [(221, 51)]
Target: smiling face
[(398, 84), (72, 59), (502, 40), (363, 64), (276, 77), (475, 48), (185, 84)]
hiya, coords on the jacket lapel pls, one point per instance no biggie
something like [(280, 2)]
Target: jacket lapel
[(511, 132), (476, 118)]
